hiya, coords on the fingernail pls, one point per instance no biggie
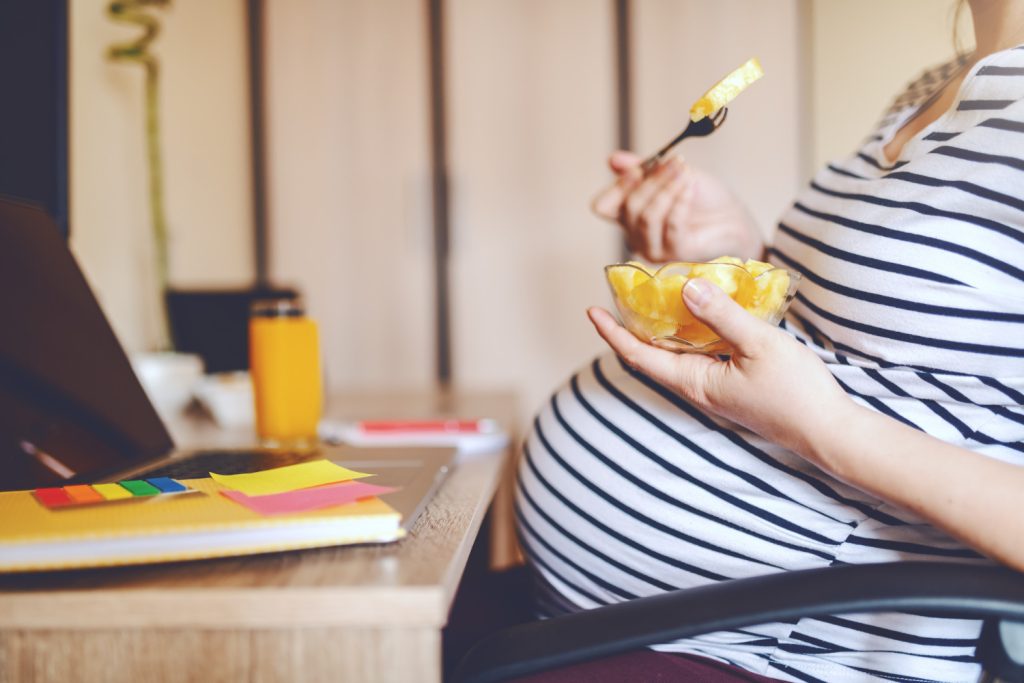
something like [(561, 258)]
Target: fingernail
[(697, 292)]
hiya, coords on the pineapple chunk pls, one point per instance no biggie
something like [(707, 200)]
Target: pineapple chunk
[(723, 92), (625, 278), (772, 287), (661, 299), (731, 277)]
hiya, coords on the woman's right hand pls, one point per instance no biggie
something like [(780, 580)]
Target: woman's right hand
[(676, 212)]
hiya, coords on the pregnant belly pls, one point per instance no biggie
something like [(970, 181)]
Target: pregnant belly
[(625, 490)]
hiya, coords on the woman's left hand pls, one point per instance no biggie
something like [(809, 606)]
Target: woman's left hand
[(772, 384)]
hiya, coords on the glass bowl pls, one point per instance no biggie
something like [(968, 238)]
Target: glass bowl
[(650, 303)]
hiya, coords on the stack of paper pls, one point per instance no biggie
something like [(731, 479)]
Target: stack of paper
[(298, 488)]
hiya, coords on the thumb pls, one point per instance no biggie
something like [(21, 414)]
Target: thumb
[(714, 308)]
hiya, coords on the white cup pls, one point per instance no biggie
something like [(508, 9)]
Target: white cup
[(169, 379), (229, 398)]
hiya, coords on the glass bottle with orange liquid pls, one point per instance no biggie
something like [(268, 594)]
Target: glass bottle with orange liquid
[(284, 355)]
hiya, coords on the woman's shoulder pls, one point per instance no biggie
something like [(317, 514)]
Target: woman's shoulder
[(999, 75), (994, 86)]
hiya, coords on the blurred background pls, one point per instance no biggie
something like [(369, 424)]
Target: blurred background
[(420, 170)]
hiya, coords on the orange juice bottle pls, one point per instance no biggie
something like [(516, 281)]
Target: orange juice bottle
[(284, 356)]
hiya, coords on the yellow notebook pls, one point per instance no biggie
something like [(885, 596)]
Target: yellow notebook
[(160, 529)]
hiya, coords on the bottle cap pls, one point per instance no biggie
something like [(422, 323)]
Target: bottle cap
[(277, 308)]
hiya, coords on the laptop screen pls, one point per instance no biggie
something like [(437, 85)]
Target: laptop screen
[(70, 404)]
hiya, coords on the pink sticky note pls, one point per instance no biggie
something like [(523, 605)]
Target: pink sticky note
[(305, 500)]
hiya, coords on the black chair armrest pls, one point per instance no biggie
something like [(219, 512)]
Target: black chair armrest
[(942, 589)]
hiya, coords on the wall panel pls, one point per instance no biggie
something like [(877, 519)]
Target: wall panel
[(532, 119), (349, 185)]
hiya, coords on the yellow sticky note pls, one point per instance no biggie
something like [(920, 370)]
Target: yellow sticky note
[(289, 478), (112, 491)]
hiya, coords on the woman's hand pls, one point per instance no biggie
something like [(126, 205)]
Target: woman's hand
[(772, 384), (677, 212)]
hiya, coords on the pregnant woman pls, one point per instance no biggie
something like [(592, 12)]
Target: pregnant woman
[(882, 422)]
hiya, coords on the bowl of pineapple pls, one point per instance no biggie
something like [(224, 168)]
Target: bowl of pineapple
[(650, 301)]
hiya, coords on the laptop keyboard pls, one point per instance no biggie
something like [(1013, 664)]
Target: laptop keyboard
[(201, 463)]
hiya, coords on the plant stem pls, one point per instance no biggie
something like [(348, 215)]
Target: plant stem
[(130, 11)]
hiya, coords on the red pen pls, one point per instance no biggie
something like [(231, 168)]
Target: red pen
[(481, 426)]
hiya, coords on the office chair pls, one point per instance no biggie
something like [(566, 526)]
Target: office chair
[(995, 594)]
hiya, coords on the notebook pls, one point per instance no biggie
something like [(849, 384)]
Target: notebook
[(202, 525)]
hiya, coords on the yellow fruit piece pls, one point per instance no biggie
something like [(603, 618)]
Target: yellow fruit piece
[(625, 278), (696, 333), (661, 299), (757, 268), (726, 90), (772, 287), (730, 276)]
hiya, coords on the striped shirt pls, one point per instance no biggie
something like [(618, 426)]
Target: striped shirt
[(913, 295)]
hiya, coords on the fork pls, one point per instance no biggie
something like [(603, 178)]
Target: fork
[(706, 126)]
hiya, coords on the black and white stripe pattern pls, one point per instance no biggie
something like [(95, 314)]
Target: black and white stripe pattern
[(913, 294)]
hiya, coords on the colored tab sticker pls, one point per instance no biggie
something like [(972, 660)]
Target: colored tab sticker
[(53, 497), (112, 491), (293, 477), (166, 484), (83, 493), (305, 500), (138, 487)]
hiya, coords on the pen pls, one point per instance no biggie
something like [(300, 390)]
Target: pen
[(481, 426)]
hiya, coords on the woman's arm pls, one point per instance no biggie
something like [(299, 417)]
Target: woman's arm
[(975, 498), (778, 388)]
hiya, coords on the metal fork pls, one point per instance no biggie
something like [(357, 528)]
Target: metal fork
[(706, 126)]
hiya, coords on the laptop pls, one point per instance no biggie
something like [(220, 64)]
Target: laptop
[(73, 411)]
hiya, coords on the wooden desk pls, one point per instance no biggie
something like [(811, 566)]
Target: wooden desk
[(366, 613)]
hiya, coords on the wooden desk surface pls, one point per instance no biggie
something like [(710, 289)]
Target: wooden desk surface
[(395, 590)]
